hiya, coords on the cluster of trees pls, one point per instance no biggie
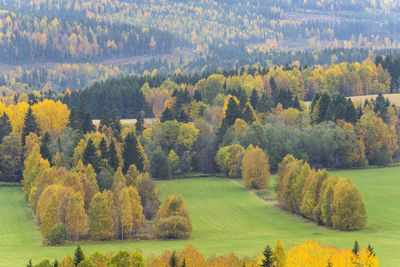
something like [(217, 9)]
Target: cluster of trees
[(29, 38), (83, 183), (331, 201), (309, 253), (267, 87)]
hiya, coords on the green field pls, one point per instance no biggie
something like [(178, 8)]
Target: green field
[(225, 218)]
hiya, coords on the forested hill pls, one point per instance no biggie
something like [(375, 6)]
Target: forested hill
[(29, 39)]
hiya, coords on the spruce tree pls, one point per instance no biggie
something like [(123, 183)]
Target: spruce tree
[(5, 126), (55, 264), (44, 147), (115, 121), (197, 96), (74, 121), (254, 98), (371, 250), (166, 115), (113, 158), (232, 112), (29, 263), (78, 256), (139, 125), (268, 260), (105, 119), (90, 156), (356, 248), (87, 124), (103, 149), (30, 125), (173, 260), (131, 153)]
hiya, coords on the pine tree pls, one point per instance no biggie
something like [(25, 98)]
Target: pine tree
[(30, 125), (44, 147), (113, 157), (90, 156), (268, 260), (78, 256), (5, 126), (139, 125), (132, 153), (356, 248), (103, 149), (173, 260)]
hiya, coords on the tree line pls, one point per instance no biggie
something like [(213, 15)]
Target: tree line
[(308, 253)]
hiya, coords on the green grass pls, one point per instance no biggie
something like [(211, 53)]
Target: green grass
[(225, 218)]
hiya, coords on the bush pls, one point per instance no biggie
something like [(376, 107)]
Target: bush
[(173, 227), (58, 234)]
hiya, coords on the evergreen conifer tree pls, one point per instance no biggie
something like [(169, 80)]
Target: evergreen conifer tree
[(103, 149), (30, 125), (78, 256), (44, 147), (90, 156), (173, 260), (268, 260), (113, 158), (356, 248), (105, 119), (139, 125), (131, 153), (5, 126), (166, 115)]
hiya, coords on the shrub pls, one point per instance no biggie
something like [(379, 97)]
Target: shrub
[(58, 234), (173, 227)]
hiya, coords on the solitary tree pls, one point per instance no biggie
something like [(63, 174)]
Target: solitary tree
[(268, 260), (78, 256)]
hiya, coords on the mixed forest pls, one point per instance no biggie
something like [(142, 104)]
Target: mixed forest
[(254, 92)]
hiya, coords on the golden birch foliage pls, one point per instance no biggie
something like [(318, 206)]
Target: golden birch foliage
[(34, 164), (51, 215), (88, 180), (17, 113), (279, 254), (30, 141), (51, 115), (187, 135), (376, 135), (173, 206), (132, 175), (255, 168), (67, 261), (326, 199), (348, 210), (312, 254), (173, 160), (193, 258), (101, 213), (130, 211), (77, 219)]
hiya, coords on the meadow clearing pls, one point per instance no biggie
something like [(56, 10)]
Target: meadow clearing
[(226, 218)]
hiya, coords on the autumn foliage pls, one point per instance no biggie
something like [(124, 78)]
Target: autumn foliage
[(332, 201)]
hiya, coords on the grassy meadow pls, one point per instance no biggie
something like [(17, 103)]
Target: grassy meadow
[(225, 217)]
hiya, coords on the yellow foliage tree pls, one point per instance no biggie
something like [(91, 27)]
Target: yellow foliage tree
[(76, 217), (255, 168)]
